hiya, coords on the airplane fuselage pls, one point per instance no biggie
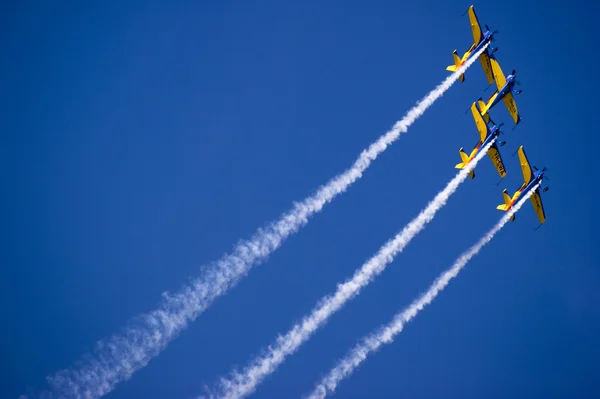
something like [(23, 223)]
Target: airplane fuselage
[(487, 37), (537, 178), (495, 132), (507, 88)]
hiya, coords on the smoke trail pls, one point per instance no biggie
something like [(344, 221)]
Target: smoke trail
[(124, 353), (241, 384), (386, 334)]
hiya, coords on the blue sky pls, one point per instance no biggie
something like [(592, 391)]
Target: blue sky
[(143, 140)]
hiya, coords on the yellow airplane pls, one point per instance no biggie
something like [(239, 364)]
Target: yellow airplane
[(486, 135), (480, 39), (531, 180), (505, 88)]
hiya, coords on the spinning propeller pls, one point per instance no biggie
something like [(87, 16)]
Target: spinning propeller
[(514, 74), (501, 133), (544, 169)]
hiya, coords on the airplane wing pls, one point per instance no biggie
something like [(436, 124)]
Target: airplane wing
[(536, 200), (481, 126), (475, 27), (511, 105), (484, 58), (525, 167), (497, 160), (498, 74)]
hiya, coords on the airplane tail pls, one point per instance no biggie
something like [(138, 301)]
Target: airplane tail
[(481, 105), (457, 63), (483, 108), (507, 201), (465, 161)]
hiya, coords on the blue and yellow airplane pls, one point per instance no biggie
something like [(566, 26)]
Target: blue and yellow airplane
[(531, 180), (505, 88), (480, 39), (486, 134)]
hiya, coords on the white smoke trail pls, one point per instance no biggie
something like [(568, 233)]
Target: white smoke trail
[(386, 333), (242, 384), (124, 353)]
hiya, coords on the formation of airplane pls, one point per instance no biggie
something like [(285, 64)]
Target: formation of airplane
[(488, 130)]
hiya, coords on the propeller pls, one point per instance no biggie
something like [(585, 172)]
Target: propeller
[(501, 132), (514, 72), (544, 169)]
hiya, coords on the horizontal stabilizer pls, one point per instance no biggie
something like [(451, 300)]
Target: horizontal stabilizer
[(507, 203), (465, 161), (457, 64)]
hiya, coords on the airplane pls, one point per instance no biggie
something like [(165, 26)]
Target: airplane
[(531, 180), (487, 134), (505, 88), (480, 40)]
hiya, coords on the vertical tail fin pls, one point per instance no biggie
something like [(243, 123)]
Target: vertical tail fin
[(481, 105), (484, 106), (507, 204), (457, 64), (465, 160)]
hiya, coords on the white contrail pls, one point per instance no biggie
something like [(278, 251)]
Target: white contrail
[(242, 384), (120, 356), (386, 333)]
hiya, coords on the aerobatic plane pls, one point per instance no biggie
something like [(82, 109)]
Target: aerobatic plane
[(486, 135), (532, 178), (480, 40), (505, 88)]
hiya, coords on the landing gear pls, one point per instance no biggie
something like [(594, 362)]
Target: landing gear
[(494, 49), (519, 92), (502, 143)]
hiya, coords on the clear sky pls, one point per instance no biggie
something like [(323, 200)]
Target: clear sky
[(141, 140)]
